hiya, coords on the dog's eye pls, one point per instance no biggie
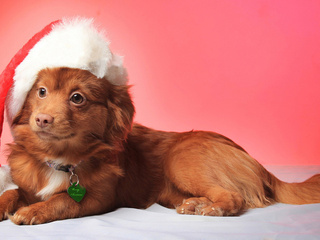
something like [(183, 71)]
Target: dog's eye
[(77, 99), (42, 92)]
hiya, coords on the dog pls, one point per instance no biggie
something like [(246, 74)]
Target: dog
[(77, 152)]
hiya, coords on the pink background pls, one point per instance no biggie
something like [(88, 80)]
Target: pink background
[(247, 69)]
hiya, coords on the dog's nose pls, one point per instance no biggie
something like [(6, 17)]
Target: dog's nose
[(43, 120)]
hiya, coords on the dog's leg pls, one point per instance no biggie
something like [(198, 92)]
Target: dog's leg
[(9, 203), (204, 165), (219, 202), (59, 206)]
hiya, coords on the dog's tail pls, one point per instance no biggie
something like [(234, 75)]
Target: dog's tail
[(296, 193)]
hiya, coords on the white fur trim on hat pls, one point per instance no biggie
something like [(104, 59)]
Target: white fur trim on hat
[(74, 43)]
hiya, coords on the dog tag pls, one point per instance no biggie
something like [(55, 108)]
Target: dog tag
[(76, 191)]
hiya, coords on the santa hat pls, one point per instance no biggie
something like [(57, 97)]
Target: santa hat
[(73, 43)]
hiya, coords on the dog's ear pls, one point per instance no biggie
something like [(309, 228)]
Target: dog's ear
[(120, 115), (22, 117)]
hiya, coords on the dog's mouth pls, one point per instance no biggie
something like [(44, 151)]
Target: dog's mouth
[(50, 136)]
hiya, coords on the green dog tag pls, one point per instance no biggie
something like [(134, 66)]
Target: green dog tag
[(76, 191)]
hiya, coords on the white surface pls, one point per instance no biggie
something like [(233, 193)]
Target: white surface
[(279, 221)]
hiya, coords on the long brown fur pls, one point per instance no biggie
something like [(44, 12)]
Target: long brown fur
[(122, 164)]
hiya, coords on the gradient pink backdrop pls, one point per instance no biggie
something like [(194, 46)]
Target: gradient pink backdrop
[(247, 69)]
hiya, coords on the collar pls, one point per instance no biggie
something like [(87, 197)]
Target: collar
[(60, 166)]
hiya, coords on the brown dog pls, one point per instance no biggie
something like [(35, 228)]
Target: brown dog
[(75, 132)]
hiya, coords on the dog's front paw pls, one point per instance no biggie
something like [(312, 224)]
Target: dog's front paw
[(30, 215), (8, 203), (3, 214)]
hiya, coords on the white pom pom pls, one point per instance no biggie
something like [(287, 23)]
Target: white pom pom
[(5, 180)]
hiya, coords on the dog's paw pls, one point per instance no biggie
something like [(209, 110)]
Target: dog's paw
[(203, 206), (199, 206), (3, 215), (31, 215)]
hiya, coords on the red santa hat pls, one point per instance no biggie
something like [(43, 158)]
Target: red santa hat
[(73, 43)]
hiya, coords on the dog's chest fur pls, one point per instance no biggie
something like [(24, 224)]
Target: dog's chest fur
[(55, 180)]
